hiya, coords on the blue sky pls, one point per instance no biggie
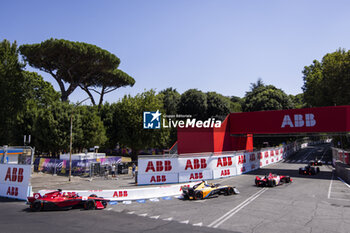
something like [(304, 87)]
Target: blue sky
[(220, 45)]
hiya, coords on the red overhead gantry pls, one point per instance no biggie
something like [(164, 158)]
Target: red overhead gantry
[(237, 130)]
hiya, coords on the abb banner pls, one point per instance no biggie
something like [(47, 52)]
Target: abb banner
[(14, 180), (186, 169)]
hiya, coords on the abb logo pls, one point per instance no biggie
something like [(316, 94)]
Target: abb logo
[(159, 166), (157, 179), (266, 154), (15, 175), (197, 164), (253, 166), (12, 191), (120, 194), (186, 185), (272, 153), (196, 176), (224, 162), (241, 159), (299, 120), (277, 152), (225, 172)]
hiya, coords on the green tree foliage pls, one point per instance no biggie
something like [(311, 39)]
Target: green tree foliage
[(79, 65), (218, 105), (11, 86), (327, 83), (236, 104), (89, 130), (298, 100), (51, 132), (194, 103), (128, 118), (37, 94), (170, 98), (265, 97)]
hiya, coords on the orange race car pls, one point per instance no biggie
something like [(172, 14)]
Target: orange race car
[(206, 190)]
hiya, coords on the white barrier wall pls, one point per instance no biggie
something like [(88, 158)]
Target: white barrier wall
[(14, 180), (130, 194), (186, 169)]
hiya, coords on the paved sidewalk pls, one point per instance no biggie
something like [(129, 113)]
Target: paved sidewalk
[(41, 181)]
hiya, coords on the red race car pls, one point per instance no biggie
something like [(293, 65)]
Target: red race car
[(272, 180), (60, 200)]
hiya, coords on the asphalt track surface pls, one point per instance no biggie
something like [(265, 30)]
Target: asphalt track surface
[(319, 203)]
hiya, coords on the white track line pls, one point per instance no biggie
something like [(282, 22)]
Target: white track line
[(330, 186), (230, 213), (344, 182)]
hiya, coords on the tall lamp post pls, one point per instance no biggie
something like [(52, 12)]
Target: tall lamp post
[(71, 137)]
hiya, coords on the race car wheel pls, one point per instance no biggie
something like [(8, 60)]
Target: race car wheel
[(300, 171), (229, 191), (93, 195), (274, 183), (104, 203), (36, 206), (317, 170), (198, 195), (287, 179), (90, 205)]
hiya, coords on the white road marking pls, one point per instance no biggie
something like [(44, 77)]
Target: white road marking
[(305, 161), (131, 212), (143, 215), (168, 219), (330, 186), (185, 222), (293, 161), (198, 224), (230, 213), (109, 209), (155, 217), (329, 162), (344, 182), (299, 161)]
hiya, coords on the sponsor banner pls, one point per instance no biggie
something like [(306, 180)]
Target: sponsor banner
[(158, 178), (193, 164), (131, 194), (150, 166), (227, 161), (224, 172), (195, 175), (14, 180)]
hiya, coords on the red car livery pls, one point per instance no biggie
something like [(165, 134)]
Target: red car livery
[(271, 180), (59, 200)]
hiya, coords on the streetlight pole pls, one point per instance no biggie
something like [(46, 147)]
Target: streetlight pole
[(71, 138)]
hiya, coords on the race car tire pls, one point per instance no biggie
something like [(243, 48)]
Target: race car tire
[(90, 205), (274, 183), (230, 191), (104, 203), (198, 195), (287, 179), (317, 170), (93, 195), (256, 182), (36, 206), (300, 171)]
